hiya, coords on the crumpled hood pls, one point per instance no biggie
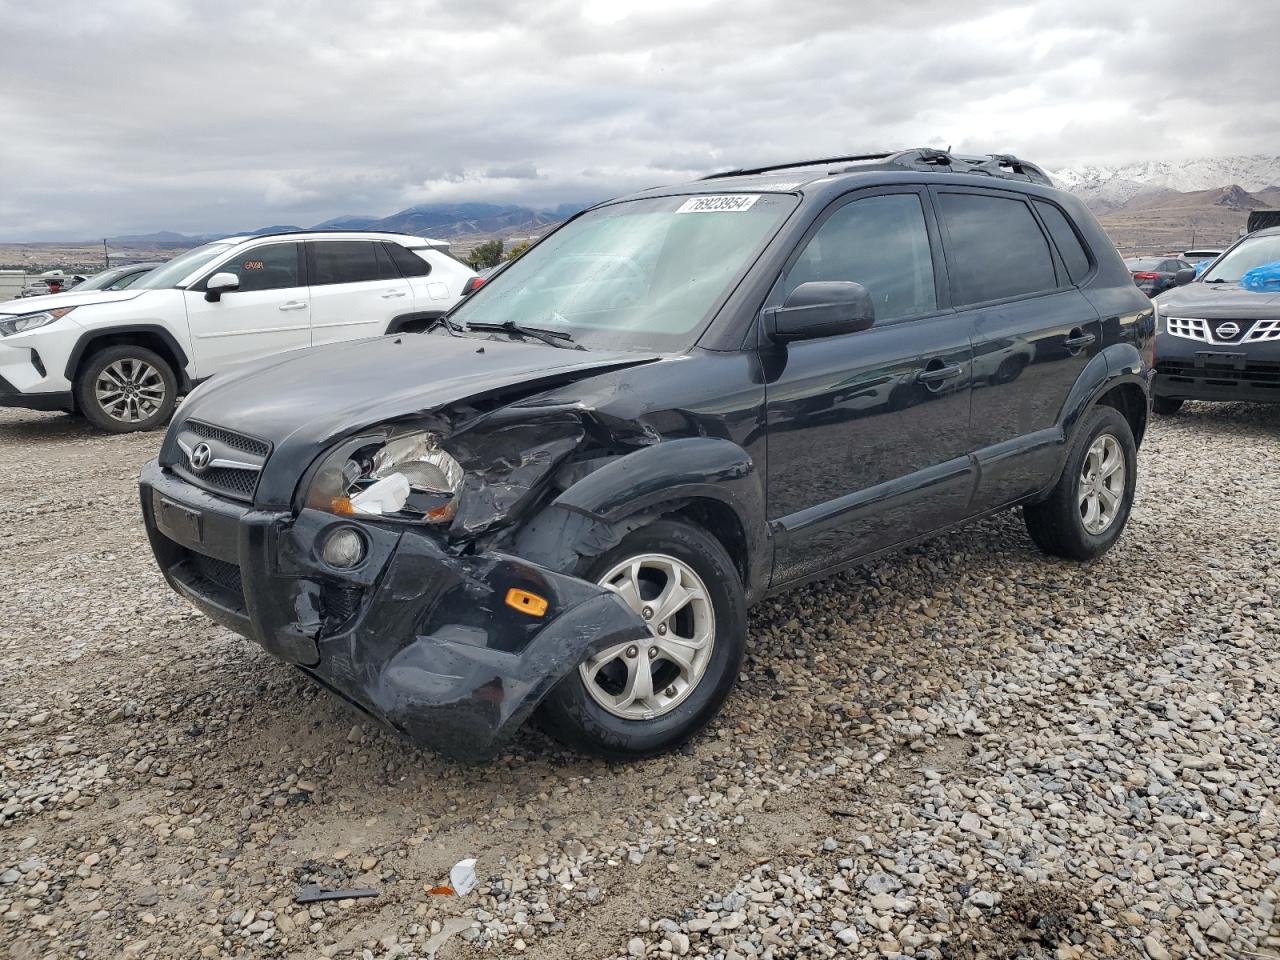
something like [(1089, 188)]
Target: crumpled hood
[(305, 401), (1219, 301), (69, 299)]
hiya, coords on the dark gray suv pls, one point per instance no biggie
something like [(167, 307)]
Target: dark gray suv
[(563, 498)]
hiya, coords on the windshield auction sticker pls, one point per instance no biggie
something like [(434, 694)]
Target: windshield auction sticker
[(721, 203)]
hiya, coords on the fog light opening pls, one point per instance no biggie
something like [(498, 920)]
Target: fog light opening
[(344, 549)]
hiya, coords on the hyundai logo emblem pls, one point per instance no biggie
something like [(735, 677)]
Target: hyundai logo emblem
[(200, 457), (1227, 330)]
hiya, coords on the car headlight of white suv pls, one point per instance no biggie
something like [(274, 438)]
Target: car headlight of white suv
[(31, 321)]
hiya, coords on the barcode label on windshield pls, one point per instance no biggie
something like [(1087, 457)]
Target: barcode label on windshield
[(722, 203)]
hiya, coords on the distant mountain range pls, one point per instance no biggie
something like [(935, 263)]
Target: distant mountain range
[(1109, 188), (1167, 206), (1152, 206), (439, 221)]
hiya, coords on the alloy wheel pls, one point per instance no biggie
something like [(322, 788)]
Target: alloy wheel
[(645, 679), (1102, 484), (130, 390)]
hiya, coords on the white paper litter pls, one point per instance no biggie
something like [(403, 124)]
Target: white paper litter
[(463, 877)]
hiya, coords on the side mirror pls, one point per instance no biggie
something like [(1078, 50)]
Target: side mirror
[(219, 284), (1184, 276), (827, 308)]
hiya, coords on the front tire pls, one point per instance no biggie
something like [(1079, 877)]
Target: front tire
[(1089, 506), (636, 700), (126, 388), (1166, 406)]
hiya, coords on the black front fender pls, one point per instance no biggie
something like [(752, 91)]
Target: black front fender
[(597, 511)]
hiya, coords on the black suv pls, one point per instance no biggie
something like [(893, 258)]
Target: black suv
[(565, 497), (1218, 336)]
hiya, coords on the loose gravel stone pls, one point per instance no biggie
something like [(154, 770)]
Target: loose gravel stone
[(964, 750)]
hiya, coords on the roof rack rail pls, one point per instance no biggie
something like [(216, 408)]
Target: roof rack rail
[(1001, 165), (932, 159), (752, 171)]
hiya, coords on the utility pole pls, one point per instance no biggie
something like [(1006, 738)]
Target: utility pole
[(106, 254)]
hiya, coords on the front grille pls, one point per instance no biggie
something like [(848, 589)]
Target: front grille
[(1211, 331), (214, 579), (1255, 374), (248, 454), (236, 483), (236, 441), (219, 572)]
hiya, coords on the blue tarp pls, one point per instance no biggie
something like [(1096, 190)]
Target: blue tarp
[(1263, 279)]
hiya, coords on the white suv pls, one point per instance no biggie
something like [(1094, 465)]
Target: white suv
[(121, 358)]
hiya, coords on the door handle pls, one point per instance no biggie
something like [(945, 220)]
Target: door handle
[(937, 374), (394, 295), (1077, 338), (293, 305)]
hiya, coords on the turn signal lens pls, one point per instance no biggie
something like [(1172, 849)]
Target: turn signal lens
[(526, 602)]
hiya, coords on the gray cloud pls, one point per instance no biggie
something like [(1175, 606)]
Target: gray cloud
[(174, 114)]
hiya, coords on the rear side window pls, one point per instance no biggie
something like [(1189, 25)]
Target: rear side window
[(409, 264), (880, 242), (272, 267), (344, 261), (1070, 249), (997, 249)]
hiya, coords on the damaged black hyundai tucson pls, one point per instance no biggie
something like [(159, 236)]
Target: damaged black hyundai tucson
[(563, 499)]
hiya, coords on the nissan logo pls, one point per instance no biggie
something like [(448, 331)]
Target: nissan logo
[(200, 457), (1227, 330)]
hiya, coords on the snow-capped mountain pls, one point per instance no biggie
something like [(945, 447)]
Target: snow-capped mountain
[(1110, 187)]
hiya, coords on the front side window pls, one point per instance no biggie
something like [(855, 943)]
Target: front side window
[(642, 274), (345, 261), (272, 267), (880, 242), (996, 249)]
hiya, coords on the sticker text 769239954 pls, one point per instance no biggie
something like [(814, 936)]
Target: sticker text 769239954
[(719, 203)]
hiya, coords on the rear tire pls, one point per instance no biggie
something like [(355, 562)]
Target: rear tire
[(1087, 510), (126, 388), (588, 709), (1166, 406)]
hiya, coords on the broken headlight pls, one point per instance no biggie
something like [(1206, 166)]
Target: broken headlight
[(405, 476)]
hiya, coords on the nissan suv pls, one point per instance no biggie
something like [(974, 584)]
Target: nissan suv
[(121, 357), (1218, 335), (563, 498)]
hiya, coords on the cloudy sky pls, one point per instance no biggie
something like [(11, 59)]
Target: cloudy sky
[(140, 115)]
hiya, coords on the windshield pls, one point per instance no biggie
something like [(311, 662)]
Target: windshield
[(175, 270), (642, 274), (1143, 263), (1251, 252)]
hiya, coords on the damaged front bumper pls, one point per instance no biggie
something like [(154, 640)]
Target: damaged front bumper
[(418, 634)]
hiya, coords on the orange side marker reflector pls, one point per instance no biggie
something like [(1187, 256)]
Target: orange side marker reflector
[(526, 602)]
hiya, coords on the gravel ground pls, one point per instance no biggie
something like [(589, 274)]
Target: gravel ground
[(966, 750)]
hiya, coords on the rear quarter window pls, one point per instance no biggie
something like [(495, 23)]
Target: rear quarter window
[(1070, 249), (996, 248)]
